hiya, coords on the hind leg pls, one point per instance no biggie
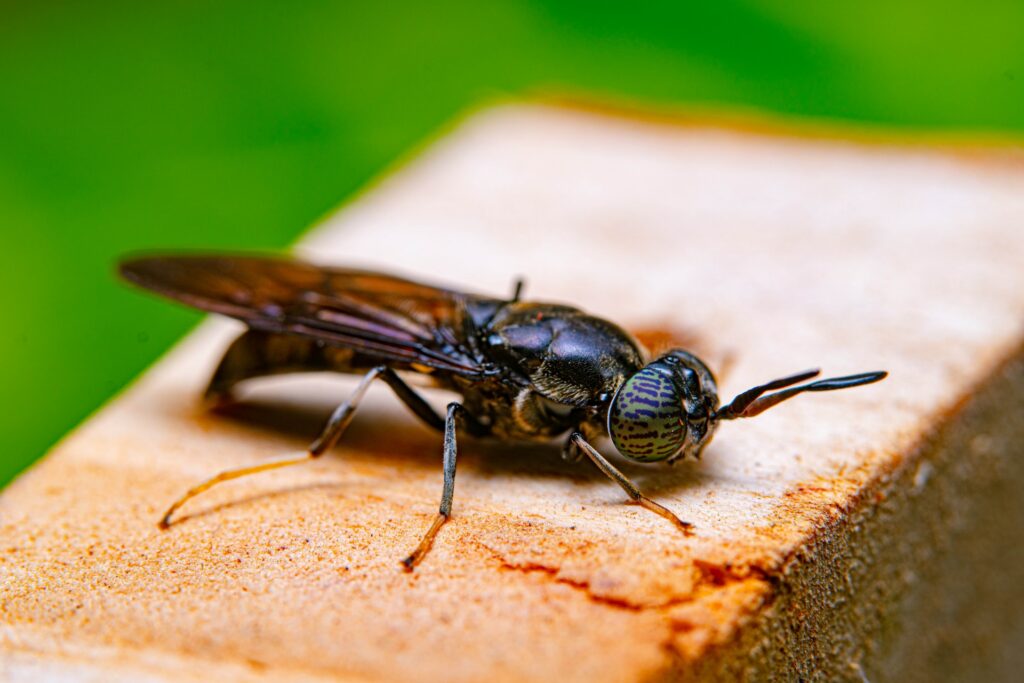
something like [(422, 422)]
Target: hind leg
[(332, 431)]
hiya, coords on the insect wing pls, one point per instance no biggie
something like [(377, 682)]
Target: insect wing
[(378, 315)]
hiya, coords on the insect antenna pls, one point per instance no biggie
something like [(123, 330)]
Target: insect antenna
[(751, 402)]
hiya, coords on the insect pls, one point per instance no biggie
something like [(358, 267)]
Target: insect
[(525, 370)]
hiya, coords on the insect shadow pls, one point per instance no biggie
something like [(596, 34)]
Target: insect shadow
[(383, 434), (243, 501)]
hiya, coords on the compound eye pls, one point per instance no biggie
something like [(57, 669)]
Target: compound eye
[(646, 420)]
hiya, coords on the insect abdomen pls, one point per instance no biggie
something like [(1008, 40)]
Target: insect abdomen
[(258, 354)]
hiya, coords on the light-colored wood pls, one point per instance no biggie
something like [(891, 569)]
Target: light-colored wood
[(868, 533)]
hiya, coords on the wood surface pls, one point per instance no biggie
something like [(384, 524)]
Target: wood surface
[(871, 534)]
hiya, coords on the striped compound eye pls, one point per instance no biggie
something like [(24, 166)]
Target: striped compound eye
[(646, 420)]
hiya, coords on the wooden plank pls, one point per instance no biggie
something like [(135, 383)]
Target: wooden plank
[(874, 532)]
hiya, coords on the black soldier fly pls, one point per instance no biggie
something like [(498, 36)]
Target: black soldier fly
[(525, 370)]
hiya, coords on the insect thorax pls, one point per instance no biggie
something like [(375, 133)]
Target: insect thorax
[(560, 368), (565, 355)]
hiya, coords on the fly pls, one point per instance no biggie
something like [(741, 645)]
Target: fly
[(526, 371)]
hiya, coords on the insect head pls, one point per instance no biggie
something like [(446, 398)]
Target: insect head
[(669, 409)]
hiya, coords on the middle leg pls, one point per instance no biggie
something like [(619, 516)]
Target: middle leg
[(455, 412)]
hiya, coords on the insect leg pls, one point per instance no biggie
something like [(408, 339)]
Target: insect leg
[(570, 451), (412, 399), (629, 487), (455, 411), (423, 410), (332, 431)]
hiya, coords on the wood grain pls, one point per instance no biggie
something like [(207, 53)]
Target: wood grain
[(870, 533)]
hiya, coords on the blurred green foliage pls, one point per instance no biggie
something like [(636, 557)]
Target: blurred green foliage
[(126, 126)]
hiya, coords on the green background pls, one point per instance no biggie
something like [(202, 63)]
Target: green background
[(126, 126)]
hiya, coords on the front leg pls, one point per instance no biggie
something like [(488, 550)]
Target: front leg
[(570, 451), (629, 487)]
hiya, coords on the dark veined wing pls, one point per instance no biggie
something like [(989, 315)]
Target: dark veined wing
[(375, 314)]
